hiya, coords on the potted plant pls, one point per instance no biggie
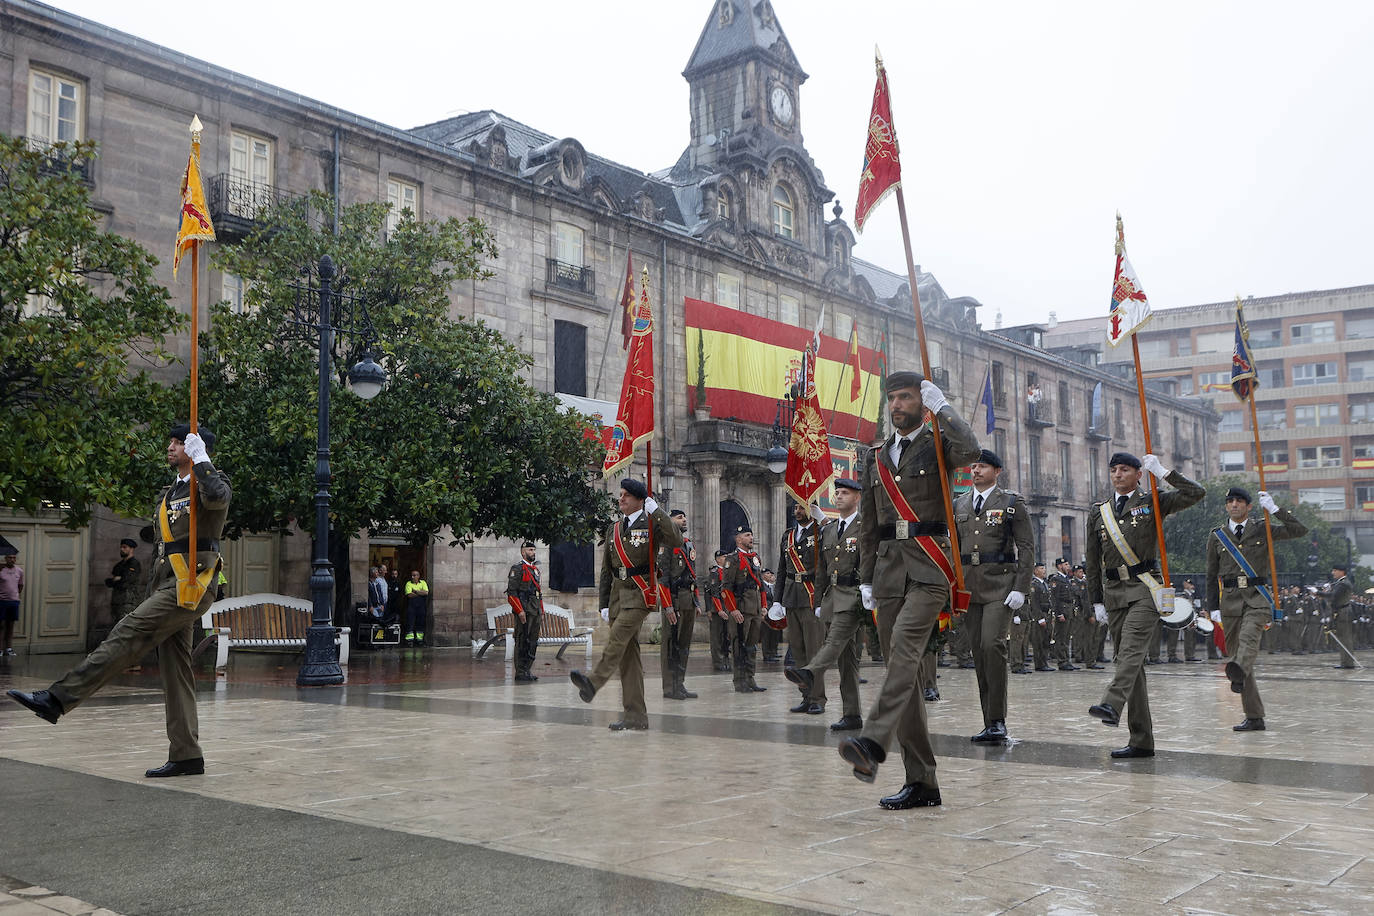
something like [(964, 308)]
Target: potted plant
[(701, 410)]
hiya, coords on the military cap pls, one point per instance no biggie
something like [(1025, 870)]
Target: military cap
[(848, 483), (988, 457), (744, 529), (721, 553), (1039, 564), (1078, 566), (1238, 493), (525, 544), (677, 513), (128, 542), (182, 430), (635, 488), (1061, 561), (1125, 458), (904, 378), (1341, 566)]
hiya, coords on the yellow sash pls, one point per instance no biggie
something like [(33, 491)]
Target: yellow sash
[(190, 589), (1164, 597)]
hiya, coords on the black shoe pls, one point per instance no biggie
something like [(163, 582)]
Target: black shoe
[(623, 726), (814, 709), (1236, 674), (995, 733), (1151, 661), (911, 795), (525, 678), (1019, 669), (1043, 668), (43, 704), (1068, 666), (802, 678), (585, 689), (1192, 658), (193, 767), (863, 680), (675, 695), (755, 687), (847, 723), (685, 693), (803, 706), (724, 668), (1249, 725), (1106, 713), (742, 688), (864, 755), (1102, 659), (1175, 661), (1130, 753), (931, 694), (1337, 667), (942, 664), (968, 665), (1096, 667), (879, 659)]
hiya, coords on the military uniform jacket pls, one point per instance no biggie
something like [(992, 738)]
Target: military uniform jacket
[(1222, 567), (885, 562), (129, 572), (522, 583), (791, 585), (838, 574), (1137, 523), (213, 493), (677, 566), (742, 573), (997, 544), (617, 588), (1039, 600), (1061, 594), (1341, 593)]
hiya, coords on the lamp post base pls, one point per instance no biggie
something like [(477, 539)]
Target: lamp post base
[(321, 665)]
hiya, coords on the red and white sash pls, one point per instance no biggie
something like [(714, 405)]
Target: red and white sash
[(665, 598), (927, 543), (799, 567)]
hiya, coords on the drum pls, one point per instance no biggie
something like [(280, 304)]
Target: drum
[(1204, 625), (1181, 617), (776, 617)]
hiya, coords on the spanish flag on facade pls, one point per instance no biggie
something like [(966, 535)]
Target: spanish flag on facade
[(195, 223)]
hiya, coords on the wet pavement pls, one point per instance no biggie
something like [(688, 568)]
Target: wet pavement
[(431, 783)]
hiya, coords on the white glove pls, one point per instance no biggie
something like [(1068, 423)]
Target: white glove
[(1016, 619), (650, 505), (817, 514), (1216, 617), (777, 611), (932, 397), (818, 613), (1100, 612), (606, 614), (1154, 466), (1015, 600), (1267, 502), (866, 596), (195, 449)]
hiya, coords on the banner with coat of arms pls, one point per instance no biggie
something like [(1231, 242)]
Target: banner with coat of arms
[(634, 420), (1130, 307), (809, 468)]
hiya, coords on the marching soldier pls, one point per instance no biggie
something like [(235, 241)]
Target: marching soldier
[(626, 599), (841, 608), (907, 575), (1341, 613), (742, 594), (523, 594), (1061, 602), (679, 566), (1238, 596), (1122, 553), (998, 553), (800, 556)]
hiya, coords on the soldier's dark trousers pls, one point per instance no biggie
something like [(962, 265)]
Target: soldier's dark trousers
[(743, 646), (674, 647), (621, 656), (989, 626), (527, 640), (720, 640), (1243, 633), (899, 713), (1133, 632)]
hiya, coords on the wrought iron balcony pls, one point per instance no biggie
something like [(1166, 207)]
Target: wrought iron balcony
[(60, 161), (237, 206), (1038, 414), (1044, 488), (729, 436), (571, 276), (1098, 434)]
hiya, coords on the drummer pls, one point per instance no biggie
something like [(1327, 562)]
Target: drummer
[(1122, 553), (1240, 594)]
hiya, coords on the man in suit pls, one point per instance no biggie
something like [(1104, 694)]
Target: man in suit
[(527, 601), (841, 610), (907, 575), (799, 557), (1122, 590), (679, 565), (626, 597), (998, 550), (742, 590), (1342, 613), (178, 595), (1234, 594)]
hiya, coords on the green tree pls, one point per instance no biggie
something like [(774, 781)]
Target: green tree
[(458, 438), (81, 320), (1187, 532)]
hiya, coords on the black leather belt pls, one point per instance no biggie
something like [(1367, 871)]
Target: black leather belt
[(1123, 573), (903, 531), (625, 572), (180, 546), (978, 558), (805, 577), (844, 579), (1244, 581)]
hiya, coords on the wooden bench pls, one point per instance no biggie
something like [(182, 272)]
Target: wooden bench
[(262, 621), (556, 629)]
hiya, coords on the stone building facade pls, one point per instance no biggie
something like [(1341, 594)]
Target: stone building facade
[(741, 219)]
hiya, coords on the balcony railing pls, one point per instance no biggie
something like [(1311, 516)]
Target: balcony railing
[(1039, 414), (571, 276), (237, 205), (60, 161), (1044, 488)]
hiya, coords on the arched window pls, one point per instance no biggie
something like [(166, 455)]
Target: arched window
[(725, 204), (784, 212)]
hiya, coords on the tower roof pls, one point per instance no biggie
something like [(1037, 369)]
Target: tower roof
[(737, 28)]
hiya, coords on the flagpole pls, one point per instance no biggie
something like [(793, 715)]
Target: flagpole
[(195, 395), (1154, 489), (934, 420), (1259, 464)]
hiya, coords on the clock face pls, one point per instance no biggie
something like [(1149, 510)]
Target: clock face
[(782, 104)]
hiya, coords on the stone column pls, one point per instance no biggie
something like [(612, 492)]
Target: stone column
[(777, 509), (709, 509)]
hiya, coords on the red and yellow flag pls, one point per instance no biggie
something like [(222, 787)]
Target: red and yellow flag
[(634, 421), (809, 467), (882, 172), (195, 223)]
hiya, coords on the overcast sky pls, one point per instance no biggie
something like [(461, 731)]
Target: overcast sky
[(1234, 137)]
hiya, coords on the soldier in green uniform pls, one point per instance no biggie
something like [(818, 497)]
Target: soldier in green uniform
[(842, 611), (1341, 613), (998, 550), (125, 580), (741, 576), (720, 624), (526, 600), (1041, 621), (1238, 597), (177, 596), (1121, 588), (679, 565), (906, 574), (798, 593), (1094, 633), (1062, 606), (1021, 622), (625, 600)]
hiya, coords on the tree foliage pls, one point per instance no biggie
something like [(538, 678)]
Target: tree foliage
[(458, 438), (81, 322)]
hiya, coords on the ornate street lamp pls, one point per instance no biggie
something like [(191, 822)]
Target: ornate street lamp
[(777, 454), (320, 312)]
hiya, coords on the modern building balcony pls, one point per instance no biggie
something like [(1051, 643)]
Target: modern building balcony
[(237, 206), (570, 277)]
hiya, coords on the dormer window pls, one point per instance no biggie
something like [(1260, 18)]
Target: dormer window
[(725, 205), (784, 212)]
